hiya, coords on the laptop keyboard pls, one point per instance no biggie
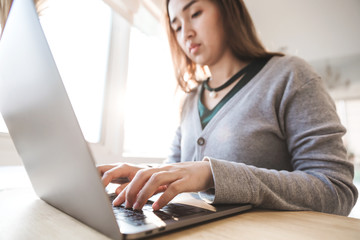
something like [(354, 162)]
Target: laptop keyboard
[(134, 217), (172, 211)]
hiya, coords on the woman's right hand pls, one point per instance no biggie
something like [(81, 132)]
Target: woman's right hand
[(170, 179)]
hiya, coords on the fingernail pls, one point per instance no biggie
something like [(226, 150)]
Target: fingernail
[(115, 203), (127, 205), (136, 206), (155, 206)]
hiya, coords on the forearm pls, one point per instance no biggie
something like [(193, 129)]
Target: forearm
[(283, 190)]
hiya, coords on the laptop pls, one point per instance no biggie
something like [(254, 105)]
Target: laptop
[(47, 136)]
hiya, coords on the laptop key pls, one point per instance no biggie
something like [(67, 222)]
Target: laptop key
[(163, 215), (133, 217)]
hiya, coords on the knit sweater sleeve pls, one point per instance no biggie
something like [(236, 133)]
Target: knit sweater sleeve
[(322, 176)]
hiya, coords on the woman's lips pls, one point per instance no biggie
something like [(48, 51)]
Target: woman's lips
[(194, 48)]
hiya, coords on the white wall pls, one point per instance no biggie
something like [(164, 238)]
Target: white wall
[(312, 29)]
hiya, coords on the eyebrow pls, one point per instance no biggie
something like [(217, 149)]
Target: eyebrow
[(185, 8)]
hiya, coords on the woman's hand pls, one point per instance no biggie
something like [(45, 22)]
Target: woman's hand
[(118, 173), (144, 182)]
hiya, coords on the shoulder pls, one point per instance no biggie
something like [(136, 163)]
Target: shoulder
[(293, 65), (287, 77), (291, 71)]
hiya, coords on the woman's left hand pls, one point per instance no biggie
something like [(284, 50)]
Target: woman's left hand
[(171, 179)]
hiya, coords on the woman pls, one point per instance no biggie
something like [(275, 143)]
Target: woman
[(261, 130)]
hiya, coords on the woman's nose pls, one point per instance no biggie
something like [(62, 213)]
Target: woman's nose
[(188, 32)]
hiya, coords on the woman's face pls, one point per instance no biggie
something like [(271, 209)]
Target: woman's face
[(199, 31)]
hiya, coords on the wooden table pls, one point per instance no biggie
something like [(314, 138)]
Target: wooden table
[(24, 216)]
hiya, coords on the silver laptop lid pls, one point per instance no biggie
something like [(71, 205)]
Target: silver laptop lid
[(43, 126)]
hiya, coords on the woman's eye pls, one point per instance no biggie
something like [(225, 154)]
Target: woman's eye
[(178, 29), (196, 14)]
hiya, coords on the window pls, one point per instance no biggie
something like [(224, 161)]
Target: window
[(80, 48), (349, 112), (151, 111)]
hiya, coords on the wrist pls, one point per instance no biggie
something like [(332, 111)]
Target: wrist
[(209, 174)]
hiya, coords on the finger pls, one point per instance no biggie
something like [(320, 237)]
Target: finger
[(104, 168), (172, 190), (156, 180), (120, 188), (138, 183), (120, 199), (161, 189), (122, 171)]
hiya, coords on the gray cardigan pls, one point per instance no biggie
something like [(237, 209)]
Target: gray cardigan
[(276, 144)]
